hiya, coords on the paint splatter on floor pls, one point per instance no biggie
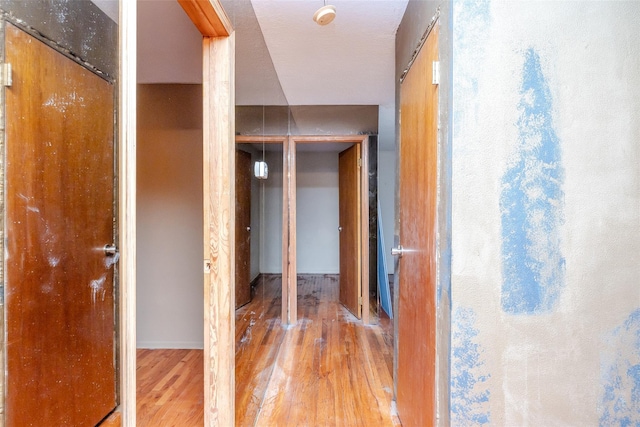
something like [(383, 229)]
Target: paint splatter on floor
[(620, 375), (469, 391), (532, 202)]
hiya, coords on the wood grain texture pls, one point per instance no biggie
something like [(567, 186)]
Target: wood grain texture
[(219, 222), (416, 338), (292, 263), (243, 227), (208, 16), (59, 287), (349, 214), (331, 370), (259, 139), (364, 229), (286, 229), (127, 128), (259, 334), (170, 388)]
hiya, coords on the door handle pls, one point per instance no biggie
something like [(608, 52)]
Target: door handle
[(397, 251), (110, 250)]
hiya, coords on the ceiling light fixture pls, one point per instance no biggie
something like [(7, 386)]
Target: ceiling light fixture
[(325, 14)]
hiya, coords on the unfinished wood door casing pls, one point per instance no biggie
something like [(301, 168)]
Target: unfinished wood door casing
[(363, 142), (289, 243), (218, 60), (418, 170), (127, 129)]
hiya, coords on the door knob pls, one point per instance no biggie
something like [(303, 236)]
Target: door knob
[(397, 251), (340, 229), (248, 228), (110, 250)]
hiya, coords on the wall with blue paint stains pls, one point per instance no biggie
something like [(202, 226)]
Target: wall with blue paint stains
[(545, 266)]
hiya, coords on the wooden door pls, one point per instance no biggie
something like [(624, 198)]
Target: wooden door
[(417, 267), (59, 284), (350, 248), (243, 227)]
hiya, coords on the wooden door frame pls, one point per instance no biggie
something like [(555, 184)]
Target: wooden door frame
[(289, 243), (363, 140), (218, 61), (219, 166), (126, 146)]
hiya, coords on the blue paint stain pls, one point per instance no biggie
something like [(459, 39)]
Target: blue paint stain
[(620, 372), (532, 202), (469, 392), (471, 21)]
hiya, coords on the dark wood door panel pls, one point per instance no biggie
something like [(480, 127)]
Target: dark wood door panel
[(417, 268), (350, 251), (59, 285), (243, 227)]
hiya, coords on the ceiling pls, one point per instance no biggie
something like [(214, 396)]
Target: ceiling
[(282, 56)]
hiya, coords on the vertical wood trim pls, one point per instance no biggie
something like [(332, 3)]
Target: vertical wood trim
[(127, 210), (285, 232), (219, 219), (293, 270), (364, 229)]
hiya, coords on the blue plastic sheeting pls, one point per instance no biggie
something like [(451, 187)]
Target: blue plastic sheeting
[(383, 276)]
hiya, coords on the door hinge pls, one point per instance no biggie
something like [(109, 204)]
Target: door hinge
[(360, 300), (359, 162), (5, 75), (436, 73)]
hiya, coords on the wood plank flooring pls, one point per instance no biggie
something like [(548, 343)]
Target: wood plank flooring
[(330, 370), (327, 370), (170, 388)]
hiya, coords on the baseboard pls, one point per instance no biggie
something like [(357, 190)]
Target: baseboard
[(186, 345)]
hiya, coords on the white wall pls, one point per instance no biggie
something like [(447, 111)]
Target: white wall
[(271, 217), (546, 213), (169, 218)]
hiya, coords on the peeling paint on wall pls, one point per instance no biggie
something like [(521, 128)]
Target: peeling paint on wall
[(620, 375), (469, 391), (532, 202)]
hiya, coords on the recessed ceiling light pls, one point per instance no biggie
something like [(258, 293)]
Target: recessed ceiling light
[(325, 14)]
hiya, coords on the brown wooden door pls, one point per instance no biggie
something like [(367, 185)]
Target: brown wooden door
[(59, 285), (350, 251), (417, 267), (243, 227)]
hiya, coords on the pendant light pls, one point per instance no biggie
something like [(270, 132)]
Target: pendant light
[(260, 169)]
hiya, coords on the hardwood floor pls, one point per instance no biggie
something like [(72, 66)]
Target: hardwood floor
[(327, 370), (330, 370), (170, 388)]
